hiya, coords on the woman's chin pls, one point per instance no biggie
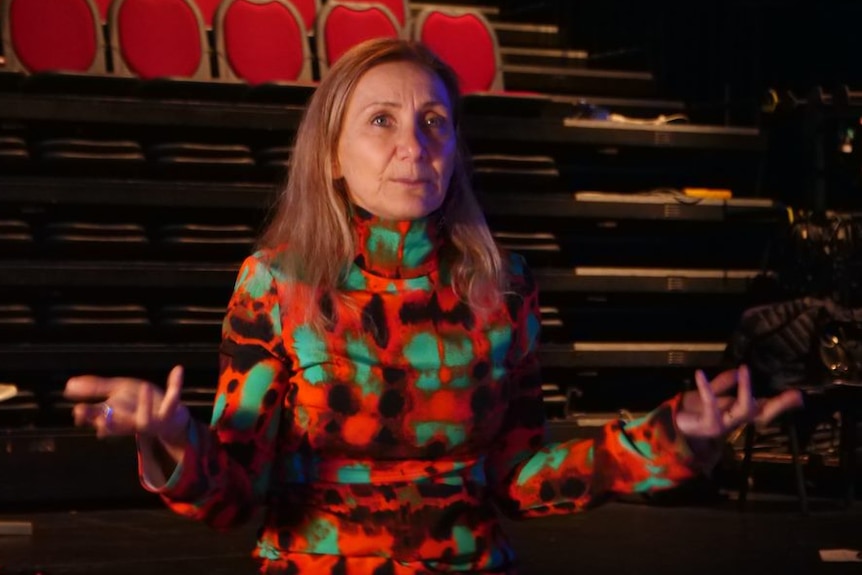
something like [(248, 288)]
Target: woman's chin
[(412, 208)]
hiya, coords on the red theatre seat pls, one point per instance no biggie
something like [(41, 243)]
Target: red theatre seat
[(104, 7), (342, 25), (309, 10), (208, 10), (465, 40), (51, 36), (262, 41), (159, 39), (398, 8)]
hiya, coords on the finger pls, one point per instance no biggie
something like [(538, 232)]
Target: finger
[(103, 428), (173, 392), (724, 403), (710, 411), (775, 406), (123, 421), (106, 422), (724, 381), (89, 387), (86, 413), (144, 411), (744, 409)]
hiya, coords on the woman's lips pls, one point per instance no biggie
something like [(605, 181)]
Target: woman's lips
[(412, 181)]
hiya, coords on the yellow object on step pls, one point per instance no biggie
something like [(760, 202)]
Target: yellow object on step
[(710, 193), (7, 391)]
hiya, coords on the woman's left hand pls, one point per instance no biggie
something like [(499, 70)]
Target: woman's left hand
[(706, 414)]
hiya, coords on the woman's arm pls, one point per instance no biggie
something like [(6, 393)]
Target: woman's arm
[(225, 468), (532, 477)]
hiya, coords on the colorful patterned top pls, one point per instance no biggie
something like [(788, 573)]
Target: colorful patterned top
[(382, 444)]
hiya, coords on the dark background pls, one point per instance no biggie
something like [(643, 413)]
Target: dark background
[(703, 50)]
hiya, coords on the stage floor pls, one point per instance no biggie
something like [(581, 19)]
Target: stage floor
[(771, 537)]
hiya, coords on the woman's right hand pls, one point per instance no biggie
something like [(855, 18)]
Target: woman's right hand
[(130, 406)]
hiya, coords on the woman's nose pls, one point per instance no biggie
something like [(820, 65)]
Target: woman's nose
[(413, 143)]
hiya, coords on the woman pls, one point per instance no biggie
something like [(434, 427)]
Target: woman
[(379, 388)]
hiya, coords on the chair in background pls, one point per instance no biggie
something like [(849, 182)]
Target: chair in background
[(465, 40), (208, 9), (17, 323), (165, 39), (205, 241), (809, 339), (93, 239), (14, 155), (60, 46), (50, 36), (184, 322), (84, 321), (104, 7), (309, 9), (342, 25), (201, 160), (399, 9), (165, 44), (81, 156), (262, 41)]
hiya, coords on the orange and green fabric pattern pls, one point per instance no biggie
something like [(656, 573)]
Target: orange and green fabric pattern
[(385, 443)]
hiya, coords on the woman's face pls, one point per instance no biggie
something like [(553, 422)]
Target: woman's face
[(397, 144)]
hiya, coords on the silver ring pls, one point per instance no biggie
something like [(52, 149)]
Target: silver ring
[(107, 413)]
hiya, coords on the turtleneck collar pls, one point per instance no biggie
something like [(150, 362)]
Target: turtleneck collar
[(397, 248)]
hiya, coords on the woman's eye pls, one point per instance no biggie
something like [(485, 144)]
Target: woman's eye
[(435, 121), (381, 120)]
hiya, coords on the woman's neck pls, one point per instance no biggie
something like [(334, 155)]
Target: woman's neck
[(397, 248)]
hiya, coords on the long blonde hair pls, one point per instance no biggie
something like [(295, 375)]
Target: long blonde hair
[(312, 213)]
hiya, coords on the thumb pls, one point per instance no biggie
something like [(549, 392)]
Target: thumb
[(173, 415), (786, 401), (173, 392)]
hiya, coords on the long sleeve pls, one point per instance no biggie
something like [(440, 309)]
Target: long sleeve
[(226, 468), (531, 477)]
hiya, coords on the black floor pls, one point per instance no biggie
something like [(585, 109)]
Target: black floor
[(770, 537)]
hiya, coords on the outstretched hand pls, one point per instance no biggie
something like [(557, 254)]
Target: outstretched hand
[(132, 406), (706, 414)]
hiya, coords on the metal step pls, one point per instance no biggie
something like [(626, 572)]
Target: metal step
[(563, 58), (633, 107), (490, 12), (528, 35), (632, 354), (560, 80)]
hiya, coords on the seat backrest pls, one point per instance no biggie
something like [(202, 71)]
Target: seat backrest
[(159, 39), (46, 35), (398, 8), (262, 41), (208, 10), (104, 7), (309, 10), (342, 25), (465, 40)]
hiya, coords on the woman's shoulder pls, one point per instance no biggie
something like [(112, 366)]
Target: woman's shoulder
[(268, 256), (265, 262)]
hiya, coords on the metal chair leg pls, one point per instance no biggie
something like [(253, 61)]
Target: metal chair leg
[(797, 467), (847, 455), (748, 448)]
